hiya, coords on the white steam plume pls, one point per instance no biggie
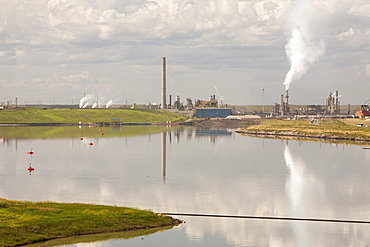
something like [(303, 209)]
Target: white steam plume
[(110, 102), (82, 102), (92, 99), (85, 101), (303, 48)]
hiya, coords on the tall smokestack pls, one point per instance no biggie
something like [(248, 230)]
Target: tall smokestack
[(163, 102), (287, 96)]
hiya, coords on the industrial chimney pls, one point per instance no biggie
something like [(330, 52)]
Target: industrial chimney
[(163, 101)]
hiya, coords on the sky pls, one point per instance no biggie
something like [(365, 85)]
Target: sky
[(57, 51)]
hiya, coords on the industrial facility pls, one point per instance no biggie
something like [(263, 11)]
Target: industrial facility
[(331, 108), (212, 107), (203, 108)]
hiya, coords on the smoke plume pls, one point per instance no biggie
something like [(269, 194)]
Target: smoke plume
[(91, 99), (87, 100), (84, 102), (110, 102), (303, 47)]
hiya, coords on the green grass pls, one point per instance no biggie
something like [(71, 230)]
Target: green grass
[(326, 128), (64, 115), (29, 222)]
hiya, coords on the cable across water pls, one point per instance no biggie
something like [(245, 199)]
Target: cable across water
[(270, 218)]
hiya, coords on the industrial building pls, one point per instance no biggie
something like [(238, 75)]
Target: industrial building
[(212, 112)]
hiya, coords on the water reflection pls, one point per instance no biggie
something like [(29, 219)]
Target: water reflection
[(304, 190), (194, 170), (302, 185), (212, 134), (164, 157)]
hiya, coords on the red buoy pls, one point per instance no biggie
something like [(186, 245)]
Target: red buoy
[(101, 134), (30, 168), (81, 138), (90, 144), (30, 152)]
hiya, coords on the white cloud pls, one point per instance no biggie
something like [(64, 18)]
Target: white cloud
[(110, 39), (161, 19), (84, 76), (367, 67), (360, 8), (350, 32)]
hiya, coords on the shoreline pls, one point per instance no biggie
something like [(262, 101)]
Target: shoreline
[(336, 130), (297, 135), (26, 222)]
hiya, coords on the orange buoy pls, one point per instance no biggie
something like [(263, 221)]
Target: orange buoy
[(81, 138), (90, 144), (101, 134), (100, 130), (30, 152)]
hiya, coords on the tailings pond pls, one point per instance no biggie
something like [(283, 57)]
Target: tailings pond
[(197, 171)]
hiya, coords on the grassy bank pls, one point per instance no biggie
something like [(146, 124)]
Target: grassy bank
[(46, 115), (324, 128), (28, 222)]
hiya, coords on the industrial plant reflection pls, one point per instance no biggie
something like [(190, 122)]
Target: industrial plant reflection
[(211, 133)]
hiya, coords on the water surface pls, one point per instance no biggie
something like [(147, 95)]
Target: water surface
[(201, 171)]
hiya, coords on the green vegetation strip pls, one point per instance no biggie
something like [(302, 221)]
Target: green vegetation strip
[(64, 115), (29, 222), (323, 128)]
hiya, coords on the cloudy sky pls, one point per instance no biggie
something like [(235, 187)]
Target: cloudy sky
[(59, 50)]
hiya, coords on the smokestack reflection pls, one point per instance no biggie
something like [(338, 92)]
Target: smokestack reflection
[(304, 189), (164, 156)]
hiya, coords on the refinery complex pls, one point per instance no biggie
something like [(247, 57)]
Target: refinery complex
[(214, 107), (211, 108)]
